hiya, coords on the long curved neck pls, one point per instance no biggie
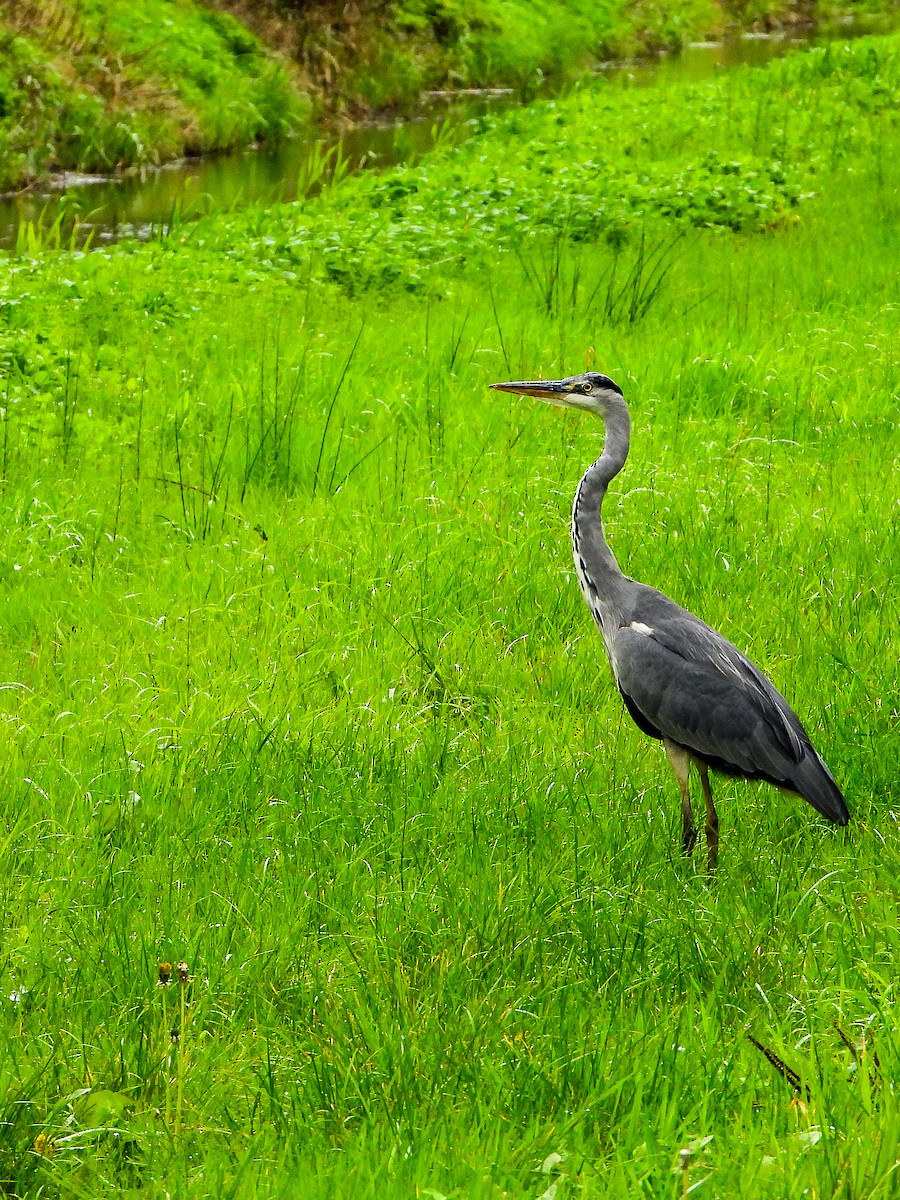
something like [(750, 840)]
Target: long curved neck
[(598, 571)]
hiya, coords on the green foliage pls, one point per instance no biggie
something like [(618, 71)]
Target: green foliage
[(102, 84), (220, 72), (41, 120), (297, 686), (536, 175), (490, 42)]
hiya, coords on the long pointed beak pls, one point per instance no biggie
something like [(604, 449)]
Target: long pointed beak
[(552, 390)]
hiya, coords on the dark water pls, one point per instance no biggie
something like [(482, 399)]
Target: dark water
[(133, 205)]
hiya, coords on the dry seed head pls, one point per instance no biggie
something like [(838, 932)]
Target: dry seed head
[(165, 974), (183, 973)]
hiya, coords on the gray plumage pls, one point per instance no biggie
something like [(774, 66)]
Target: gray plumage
[(682, 682)]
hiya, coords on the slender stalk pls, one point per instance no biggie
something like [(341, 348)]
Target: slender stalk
[(183, 981)]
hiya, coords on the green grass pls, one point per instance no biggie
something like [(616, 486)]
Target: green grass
[(298, 688), (96, 85), (106, 85), (384, 54)]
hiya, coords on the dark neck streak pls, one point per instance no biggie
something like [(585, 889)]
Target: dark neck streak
[(602, 583)]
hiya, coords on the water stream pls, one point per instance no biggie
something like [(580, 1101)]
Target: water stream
[(132, 205)]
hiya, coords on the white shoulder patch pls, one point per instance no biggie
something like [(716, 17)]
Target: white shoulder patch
[(640, 627)]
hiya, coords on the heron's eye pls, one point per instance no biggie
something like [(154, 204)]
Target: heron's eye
[(587, 388)]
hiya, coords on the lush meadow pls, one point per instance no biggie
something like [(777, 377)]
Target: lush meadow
[(297, 687)]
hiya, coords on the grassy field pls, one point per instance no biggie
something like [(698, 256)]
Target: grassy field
[(297, 687)]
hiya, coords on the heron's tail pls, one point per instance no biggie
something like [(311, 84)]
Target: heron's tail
[(812, 780)]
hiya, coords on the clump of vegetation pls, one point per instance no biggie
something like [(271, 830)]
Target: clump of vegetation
[(95, 86), (380, 55)]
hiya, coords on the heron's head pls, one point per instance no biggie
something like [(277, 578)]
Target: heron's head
[(591, 392)]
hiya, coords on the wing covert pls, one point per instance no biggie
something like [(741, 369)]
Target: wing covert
[(693, 686)]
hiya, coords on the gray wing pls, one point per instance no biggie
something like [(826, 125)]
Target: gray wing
[(682, 680)]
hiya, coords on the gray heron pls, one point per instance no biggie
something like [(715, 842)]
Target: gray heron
[(681, 681)]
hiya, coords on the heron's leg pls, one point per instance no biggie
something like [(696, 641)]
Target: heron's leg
[(712, 818), (680, 761)]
